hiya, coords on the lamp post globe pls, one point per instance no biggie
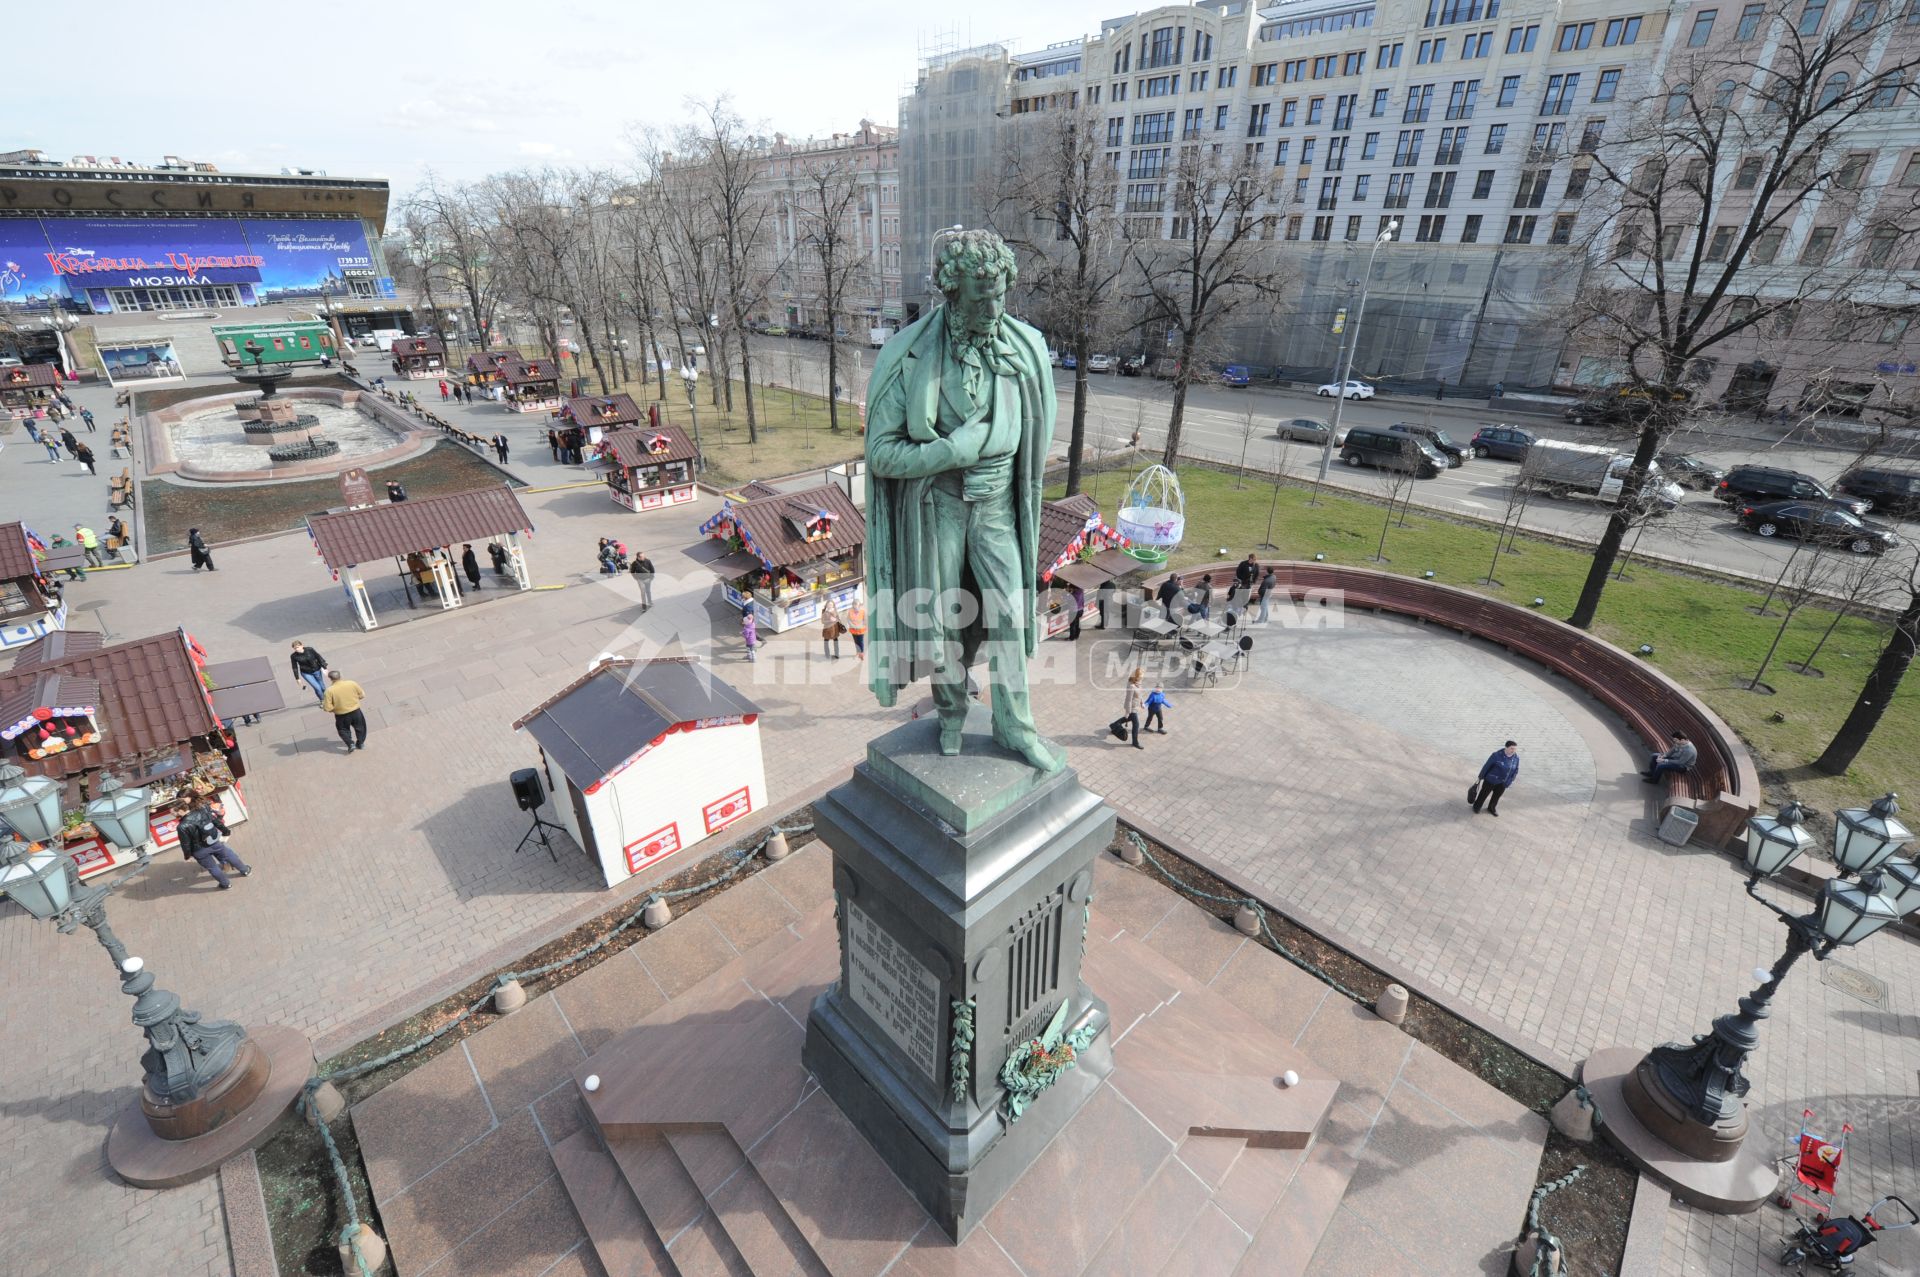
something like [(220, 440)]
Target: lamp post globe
[(30, 805), (1774, 842), (1849, 912), (120, 813), (1864, 838), (36, 880)]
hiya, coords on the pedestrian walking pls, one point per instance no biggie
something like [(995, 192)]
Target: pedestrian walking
[(74, 573), (1168, 594), (396, 491), (67, 441), (470, 564), (553, 442), (1079, 608), (830, 630), (1499, 390), (1678, 759), (1129, 720), (498, 553), (1265, 589), (1103, 599), (310, 667), (202, 556), (643, 577), (1440, 390), (84, 455), (653, 415), (1156, 711), (117, 536), (55, 413), (857, 628), (86, 415), (203, 835), (33, 431), (749, 635), (89, 542), (500, 448), (343, 700), (53, 449), (1500, 770), (1245, 574), (1202, 605), (444, 392)]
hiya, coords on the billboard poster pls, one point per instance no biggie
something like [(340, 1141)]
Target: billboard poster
[(277, 257)]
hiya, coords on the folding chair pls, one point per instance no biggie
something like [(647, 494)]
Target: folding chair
[(1243, 652)]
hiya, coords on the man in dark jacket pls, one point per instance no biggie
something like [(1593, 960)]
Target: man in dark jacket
[(1168, 594), (310, 667), (470, 564), (1244, 577), (1500, 770), (201, 832), (1680, 758), (643, 577), (202, 557)]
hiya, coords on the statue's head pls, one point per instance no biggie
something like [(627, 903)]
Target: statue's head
[(974, 270)]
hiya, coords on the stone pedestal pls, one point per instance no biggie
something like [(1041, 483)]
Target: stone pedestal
[(963, 886)]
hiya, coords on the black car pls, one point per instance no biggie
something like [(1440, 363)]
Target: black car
[(1690, 471), (1304, 430), (1755, 485), (1891, 491), (1133, 365), (1819, 523), (1508, 443), (1367, 446), (1610, 410), (1455, 452)]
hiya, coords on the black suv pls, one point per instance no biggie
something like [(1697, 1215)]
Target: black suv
[(1690, 471), (1891, 491), (1367, 446), (1456, 453), (1756, 485), (1508, 443)]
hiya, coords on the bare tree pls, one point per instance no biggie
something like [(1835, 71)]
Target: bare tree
[(726, 164), (1059, 196), (1746, 140), (1862, 577), (1396, 481), (1519, 495), (1214, 266), (449, 228), (829, 191), (1882, 683), (1808, 577)]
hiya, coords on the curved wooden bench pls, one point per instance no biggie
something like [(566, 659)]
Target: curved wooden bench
[(1723, 787)]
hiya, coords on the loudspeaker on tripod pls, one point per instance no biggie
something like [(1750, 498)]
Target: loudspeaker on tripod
[(527, 791)]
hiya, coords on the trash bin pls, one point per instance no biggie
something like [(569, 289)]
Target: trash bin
[(1677, 827)]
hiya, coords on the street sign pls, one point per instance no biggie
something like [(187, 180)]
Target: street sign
[(1340, 320)]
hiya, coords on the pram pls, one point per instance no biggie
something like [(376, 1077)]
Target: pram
[(1831, 1244), (1816, 1167)]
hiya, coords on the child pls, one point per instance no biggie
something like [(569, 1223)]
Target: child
[(1156, 703)]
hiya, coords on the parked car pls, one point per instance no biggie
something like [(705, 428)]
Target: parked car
[(1101, 363), (1819, 523), (1455, 452), (1133, 365), (1690, 471), (1237, 376), (1891, 491), (1755, 485), (1610, 410), (1304, 430), (1053, 357), (1506, 443), (1353, 390), (1071, 361), (1367, 446)]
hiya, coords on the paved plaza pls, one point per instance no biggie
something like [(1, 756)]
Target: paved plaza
[(1331, 774)]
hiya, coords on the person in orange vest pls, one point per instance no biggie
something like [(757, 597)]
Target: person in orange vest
[(855, 619)]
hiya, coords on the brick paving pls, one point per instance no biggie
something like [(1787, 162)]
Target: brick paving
[(1332, 774)]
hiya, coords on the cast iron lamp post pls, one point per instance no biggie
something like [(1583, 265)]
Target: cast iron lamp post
[(690, 376), (1679, 1111), (1386, 234)]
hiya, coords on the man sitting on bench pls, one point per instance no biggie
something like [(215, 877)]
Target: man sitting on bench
[(1678, 759)]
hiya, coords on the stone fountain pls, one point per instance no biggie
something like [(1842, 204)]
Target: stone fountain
[(272, 421)]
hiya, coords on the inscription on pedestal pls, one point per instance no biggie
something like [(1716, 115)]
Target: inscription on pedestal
[(893, 987)]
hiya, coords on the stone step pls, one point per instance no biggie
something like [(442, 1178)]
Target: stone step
[(747, 1210), (625, 1243), (695, 1241), (1285, 1241)]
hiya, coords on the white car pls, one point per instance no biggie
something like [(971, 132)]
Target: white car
[(1354, 390), (1101, 363)]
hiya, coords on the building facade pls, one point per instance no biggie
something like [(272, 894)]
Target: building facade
[(860, 173), (109, 237)]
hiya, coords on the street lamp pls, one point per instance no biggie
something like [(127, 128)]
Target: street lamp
[(1679, 1110), (61, 323), (690, 377), (1353, 345)]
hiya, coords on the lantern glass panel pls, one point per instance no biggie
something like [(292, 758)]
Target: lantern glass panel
[(1773, 845), (31, 805), (1849, 913)]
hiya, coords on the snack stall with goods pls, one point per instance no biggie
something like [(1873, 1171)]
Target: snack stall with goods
[(1077, 547), (485, 368), (77, 710), (789, 553)]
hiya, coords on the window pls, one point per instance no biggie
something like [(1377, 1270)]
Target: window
[(1153, 126), (1353, 63), (1431, 51), (1621, 31), (1879, 251), (1532, 192), (1521, 39), (1430, 230), (1766, 245), (1399, 189), (1419, 103), (1834, 89), (1257, 119), (1575, 35), (1562, 232), (1300, 190), (1559, 96), (1353, 227), (1853, 171), (1389, 56), (1306, 151), (1440, 190), (1344, 107), (1293, 227), (1197, 81), (1329, 192), (1811, 15), (1406, 152), (1718, 245), (1119, 93), (1192, 122), (1470, 233), (1390, 225), (1336, 153), (1219, 118), (1116, 130), (1703, 26), (1265, 74), (1679, 97), (1161, 51), (1453, 146), (1576, 183), (1360, 186), (1460, 99), (1819, 244), (1123, 60), (1476, 46), (1316, 108), (1229, 76), (1887, 91), (1483, 184), (1608, 86), (1369, 146), (1520, 230), (1280, 153), (1496, 138), (1548, 140), (1910, 176), (1747, 176), (1509, 91), (1749, 21)]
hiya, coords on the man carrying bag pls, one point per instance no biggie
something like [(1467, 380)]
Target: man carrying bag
[(1500, 770)]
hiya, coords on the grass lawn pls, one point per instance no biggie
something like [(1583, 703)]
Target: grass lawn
[(792, 428), (1705, 634)]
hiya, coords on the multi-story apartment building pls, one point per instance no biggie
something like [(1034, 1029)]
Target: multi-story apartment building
[(868, 160), (1470, 122)]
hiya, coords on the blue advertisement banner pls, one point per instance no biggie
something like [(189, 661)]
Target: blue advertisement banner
[(68, 255)]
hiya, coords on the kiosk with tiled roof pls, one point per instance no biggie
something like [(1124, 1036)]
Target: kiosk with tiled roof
[(532, 385), (419, 358), (31, 601), (791, 552), (423, 536), (27, 389)]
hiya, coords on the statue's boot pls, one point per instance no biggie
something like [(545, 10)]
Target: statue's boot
[(950, 732), (1041, 756)]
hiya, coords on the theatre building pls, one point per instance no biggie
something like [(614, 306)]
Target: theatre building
[(107, 236)]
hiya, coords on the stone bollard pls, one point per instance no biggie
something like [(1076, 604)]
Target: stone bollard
[(326, 1104), (1246, 921), (656, 915), (1130, 852), (509, 997), (1572, 1117), (777, 846), (373, 1249), (1391, 1006)]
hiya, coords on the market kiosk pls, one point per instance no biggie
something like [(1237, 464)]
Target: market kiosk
[(648, 469), (1077, 547), (32, 603), (419, 358), (532, 385), (790, 552), (422, 536), (484, 369), (27, 389), (75, 709)]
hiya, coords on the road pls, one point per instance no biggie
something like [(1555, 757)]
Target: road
[(1226, 425)]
